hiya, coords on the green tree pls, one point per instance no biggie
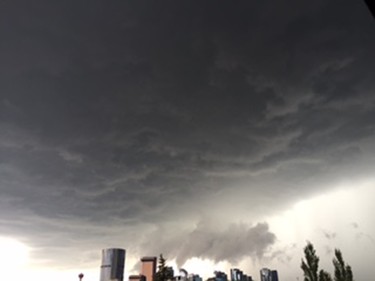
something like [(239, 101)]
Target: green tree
[(310, 266), (164, 272), (343, 272), (324, 276)]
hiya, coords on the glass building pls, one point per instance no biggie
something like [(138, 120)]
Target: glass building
[(238, 275), (220, 276), (268, 275), (112, 267)]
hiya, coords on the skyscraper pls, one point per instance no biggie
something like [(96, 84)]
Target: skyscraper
[(268, 275), (235, 274), (112, 267), (274, 275), (220, 276), (238, 275)]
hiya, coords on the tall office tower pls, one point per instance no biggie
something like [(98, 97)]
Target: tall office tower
[(220, 276), (265, 274), (112, 268), (149, 268), (246, 278), (236, 274), (274, 275), (268, 275), (194, 277)]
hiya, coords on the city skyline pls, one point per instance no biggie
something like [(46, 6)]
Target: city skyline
[(113, 267), (220, 133)]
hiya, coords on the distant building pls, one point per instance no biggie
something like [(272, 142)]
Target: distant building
[(112, 267), (138, 277), (268, 275), (235, 274), (194, 277), (238, 275), (148, 268), (246, 278), (220, 276), (275, 276)]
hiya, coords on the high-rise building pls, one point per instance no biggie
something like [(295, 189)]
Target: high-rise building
[(268, 275), (274, 275), (220, 276), (236, 274), (194, 277), (112, 267), (148, 268), (246, 278)]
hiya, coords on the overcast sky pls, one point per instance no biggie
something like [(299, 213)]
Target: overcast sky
[(223, 131)]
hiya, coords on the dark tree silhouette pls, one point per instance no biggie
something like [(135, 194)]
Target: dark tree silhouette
[(310, 266), (324, 276), (343, 272), (311, 263), (165, 272)]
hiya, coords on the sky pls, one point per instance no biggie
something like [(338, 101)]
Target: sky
[(219, 133)]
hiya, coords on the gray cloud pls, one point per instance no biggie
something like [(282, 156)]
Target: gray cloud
[(209, 240), (129, 116), (329, 235)]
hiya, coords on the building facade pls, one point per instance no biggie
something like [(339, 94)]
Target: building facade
[(112, 266), (148, 268), (238, 275), (268, 275), (220, 276)]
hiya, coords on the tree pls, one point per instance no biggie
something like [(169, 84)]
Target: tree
[(343, 272), (311, 263), (164, 272), (324, 276), (310, 266)]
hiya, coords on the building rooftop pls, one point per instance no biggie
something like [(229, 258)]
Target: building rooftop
[(148, 259)]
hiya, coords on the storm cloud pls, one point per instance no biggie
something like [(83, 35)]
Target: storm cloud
[(120, 118)]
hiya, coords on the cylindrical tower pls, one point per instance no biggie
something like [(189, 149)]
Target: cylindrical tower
[(112, 267)]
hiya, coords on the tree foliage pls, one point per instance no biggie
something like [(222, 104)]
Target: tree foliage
[(324, 276), (343, 272), (310, 267), (164, 272)]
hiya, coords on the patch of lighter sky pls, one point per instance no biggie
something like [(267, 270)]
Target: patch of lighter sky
[(47, 274), (204, 267), (339, 219), (14, 257), (344, 214)]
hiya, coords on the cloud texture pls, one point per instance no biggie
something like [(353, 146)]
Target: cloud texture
[(123, 118)]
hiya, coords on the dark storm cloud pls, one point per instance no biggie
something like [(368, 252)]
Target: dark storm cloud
[(146, 112)]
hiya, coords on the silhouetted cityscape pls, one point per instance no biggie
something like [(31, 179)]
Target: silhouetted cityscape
[(113, 266)]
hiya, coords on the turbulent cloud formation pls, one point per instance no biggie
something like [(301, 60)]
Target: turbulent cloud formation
[(119, 118), (232, 244), (212, 241)]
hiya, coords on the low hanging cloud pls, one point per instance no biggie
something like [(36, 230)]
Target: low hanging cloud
[(209, 240)]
